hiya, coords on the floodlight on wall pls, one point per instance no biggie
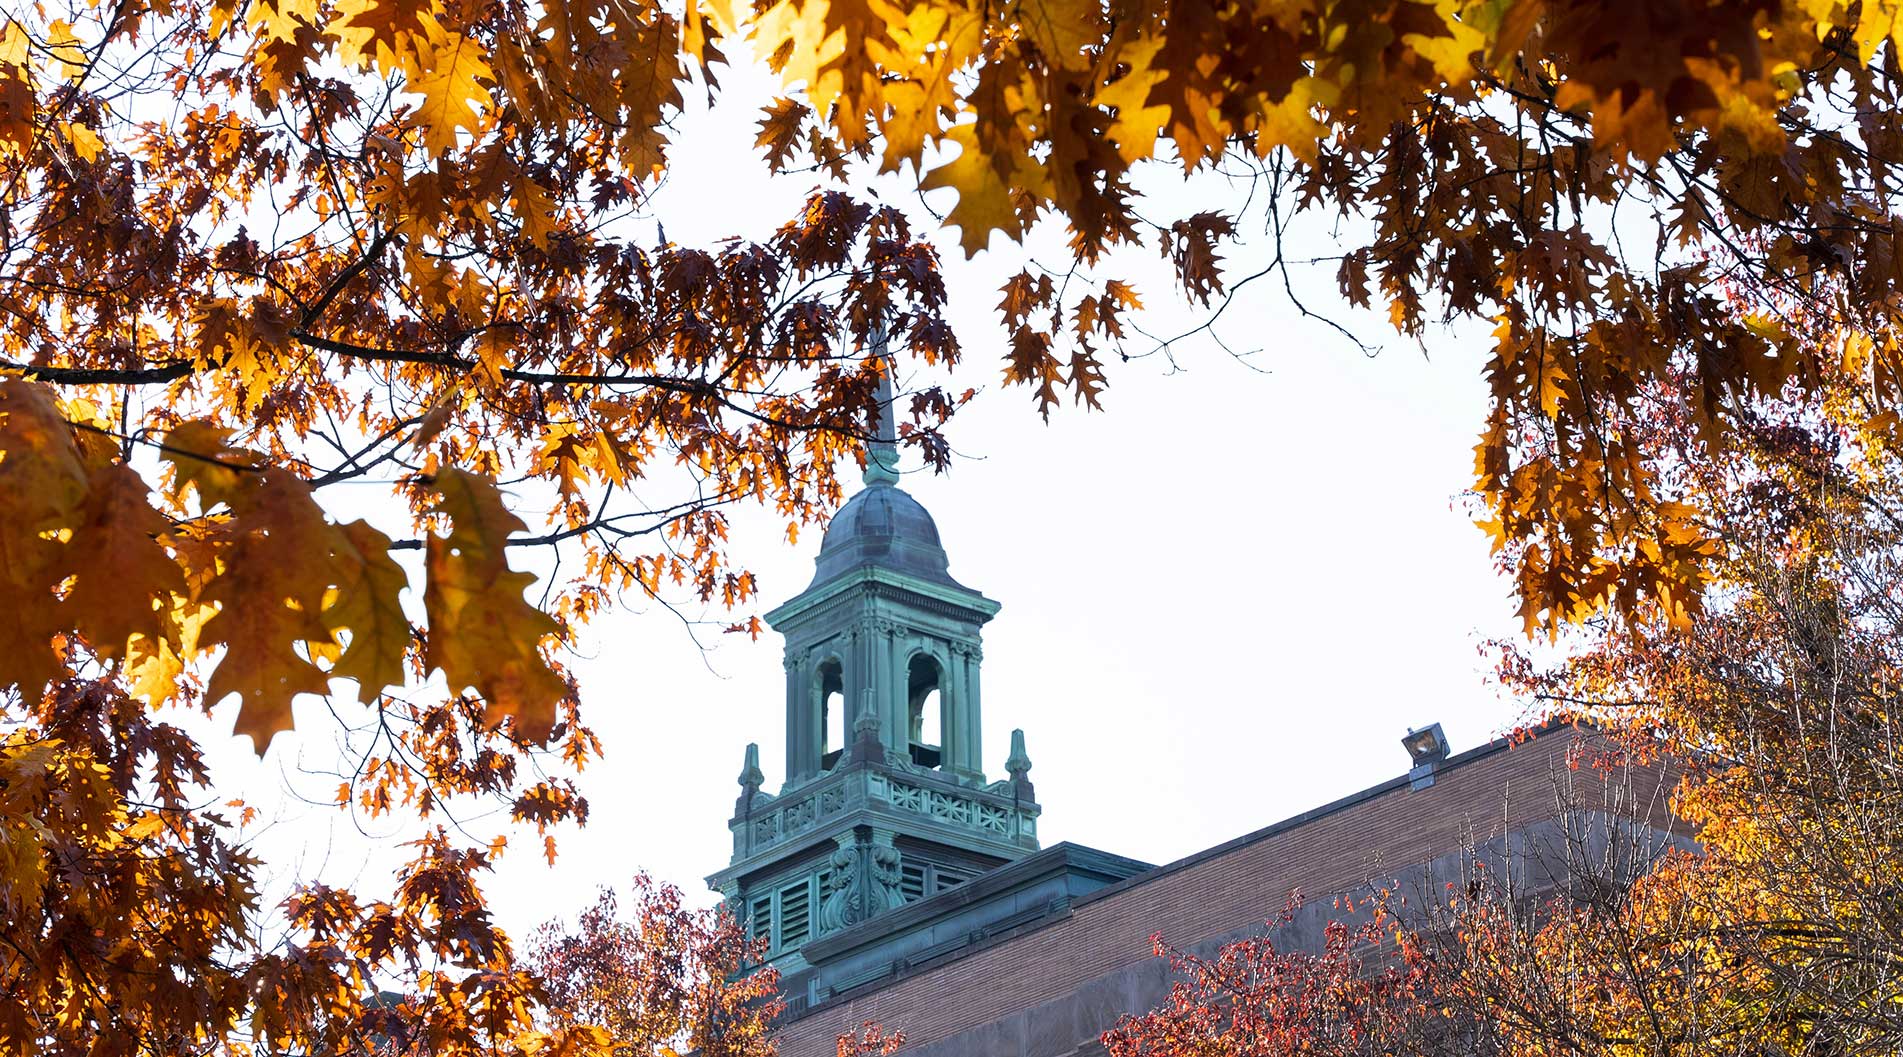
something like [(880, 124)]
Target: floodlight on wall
[(1427, 747), (1426, 744)]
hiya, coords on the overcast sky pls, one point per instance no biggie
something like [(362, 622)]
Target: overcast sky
[(1225, 597)]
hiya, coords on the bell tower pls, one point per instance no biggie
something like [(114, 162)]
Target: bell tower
[(885, 800)]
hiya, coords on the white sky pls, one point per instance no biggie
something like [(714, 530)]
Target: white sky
[(1225, 598)]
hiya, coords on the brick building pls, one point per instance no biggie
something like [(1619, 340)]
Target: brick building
[(893, 881)]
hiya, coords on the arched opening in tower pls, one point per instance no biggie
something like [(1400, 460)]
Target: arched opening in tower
[(832, 714), (927, 713)]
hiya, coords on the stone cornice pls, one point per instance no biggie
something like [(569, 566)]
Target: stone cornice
[(924, 594)]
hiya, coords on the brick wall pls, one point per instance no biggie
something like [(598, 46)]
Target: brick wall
[(1337, 848)]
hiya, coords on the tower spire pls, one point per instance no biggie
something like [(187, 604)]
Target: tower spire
[(882, 455), (885, 800)]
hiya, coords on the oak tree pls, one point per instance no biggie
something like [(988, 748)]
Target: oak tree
[(255, 250), (252, 253), (1778, 706), (1585, 178)]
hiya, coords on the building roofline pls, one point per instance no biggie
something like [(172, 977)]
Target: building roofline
[(1274, 829), (1373, 792)]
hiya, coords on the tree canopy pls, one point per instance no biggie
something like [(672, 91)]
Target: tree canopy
[(254, 250), (1778, 707)]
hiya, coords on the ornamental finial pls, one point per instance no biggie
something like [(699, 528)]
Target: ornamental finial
[(1018, 764), (882, 455), (751, 777)]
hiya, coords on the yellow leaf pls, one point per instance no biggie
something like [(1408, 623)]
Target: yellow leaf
[(1452, 50), (1122, 293), (1553, 379), (67, 50), (925, 51), (152, 670), (1062, 29), (453, 97), (1292, 123), (368, 602), (17, 93), (386, 33), (86, 143), (535, 210), (202, 459), (494, 348), (563, 448), (984, 196), (1138, 124), (796, 34)]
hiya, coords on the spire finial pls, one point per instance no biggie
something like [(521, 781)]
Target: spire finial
[(1018, 764), (750, 776), (882, 455)]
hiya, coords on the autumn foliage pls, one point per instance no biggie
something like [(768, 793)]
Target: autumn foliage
[(669, 979), (1582, 178), (1253, 998), (1779, 705), (255, 251), (251, 254)]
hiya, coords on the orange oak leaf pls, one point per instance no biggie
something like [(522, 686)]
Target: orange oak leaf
[(481, 632)]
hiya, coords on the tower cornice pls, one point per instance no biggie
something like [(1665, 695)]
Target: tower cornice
[(919, 593)]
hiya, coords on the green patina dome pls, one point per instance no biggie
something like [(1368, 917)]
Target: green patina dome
[(883, 526)]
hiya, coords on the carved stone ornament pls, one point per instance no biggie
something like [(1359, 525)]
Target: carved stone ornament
[(864, 883)]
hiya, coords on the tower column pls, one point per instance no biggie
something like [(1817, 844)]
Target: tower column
[(798, 721), (879, 659), (973, 733), (898, 704), (951, 709), (854, 679), (815, 735)]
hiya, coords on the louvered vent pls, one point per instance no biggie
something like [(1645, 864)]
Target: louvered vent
[(760, 918), (795, 914), (912, 881)]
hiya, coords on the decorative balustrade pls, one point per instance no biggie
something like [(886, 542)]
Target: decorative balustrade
[(805, 809), (946, 807)]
